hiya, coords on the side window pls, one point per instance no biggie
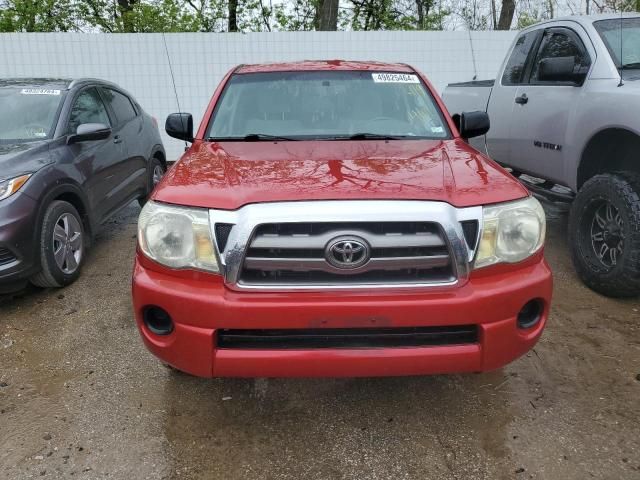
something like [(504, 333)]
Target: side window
[(87, 108), (514, 70), (120, 104), (559, 43)]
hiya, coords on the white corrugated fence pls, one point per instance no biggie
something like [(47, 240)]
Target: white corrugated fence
[(138, 62)]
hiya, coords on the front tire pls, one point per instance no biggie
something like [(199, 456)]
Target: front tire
[(62, 246), (155, 172), (604, 234)]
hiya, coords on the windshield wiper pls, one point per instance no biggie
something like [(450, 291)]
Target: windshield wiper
[(265, 136), (376, 136), (631, 66), (251, 137)]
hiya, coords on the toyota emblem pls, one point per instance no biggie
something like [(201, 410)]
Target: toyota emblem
[(347, 252)]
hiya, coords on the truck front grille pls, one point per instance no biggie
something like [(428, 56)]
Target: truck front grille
[(282, 339), (294, 254)]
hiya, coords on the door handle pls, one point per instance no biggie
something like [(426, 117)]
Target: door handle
[(522, 99), (117, 139)]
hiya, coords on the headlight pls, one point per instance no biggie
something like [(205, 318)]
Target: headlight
[(177, 237), (511, 232), (11, 186)]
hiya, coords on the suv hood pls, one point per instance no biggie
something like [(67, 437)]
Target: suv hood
[(20, 158), (228, 175)]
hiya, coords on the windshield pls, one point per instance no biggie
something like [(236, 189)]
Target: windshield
[(326, 105), (27, 114), (624, 51)]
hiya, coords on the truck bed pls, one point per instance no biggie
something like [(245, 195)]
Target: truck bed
[(467, 96)]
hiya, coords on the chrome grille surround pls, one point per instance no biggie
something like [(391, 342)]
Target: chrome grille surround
[(248, 218)]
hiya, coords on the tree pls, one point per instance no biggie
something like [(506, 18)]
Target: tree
[(506, 14), (233, 16), (422, 8), (326, 18), (127, 15), (299, 15), (38, 16)]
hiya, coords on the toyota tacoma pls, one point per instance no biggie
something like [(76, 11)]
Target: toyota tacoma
[(330, 219)]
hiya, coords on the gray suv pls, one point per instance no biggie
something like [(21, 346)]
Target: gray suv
[(72, 153)]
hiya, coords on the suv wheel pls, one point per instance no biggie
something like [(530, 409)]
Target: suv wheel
[(155, 173), (604, 234), (62, 246)]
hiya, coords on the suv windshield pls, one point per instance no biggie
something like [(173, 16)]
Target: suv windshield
[(624, 51), (326, 105), (27, 114)]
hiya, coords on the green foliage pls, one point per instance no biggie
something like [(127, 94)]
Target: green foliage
[(38, 16), (164, 16), (137, 16), (122, 16), (396, 15), (300, 16), (526, 19)]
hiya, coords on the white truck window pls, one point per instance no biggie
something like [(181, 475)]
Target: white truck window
[(514, 70), (557, 44)]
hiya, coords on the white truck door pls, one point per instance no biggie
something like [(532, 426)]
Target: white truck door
[(543, 107), (501, 104)]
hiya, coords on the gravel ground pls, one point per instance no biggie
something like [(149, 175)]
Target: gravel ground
[(81, 397)]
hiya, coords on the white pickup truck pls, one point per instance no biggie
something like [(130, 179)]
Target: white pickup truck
[(565, 109)]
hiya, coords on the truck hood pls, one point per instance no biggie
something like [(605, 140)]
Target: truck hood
[(19, 158), (228, 175)]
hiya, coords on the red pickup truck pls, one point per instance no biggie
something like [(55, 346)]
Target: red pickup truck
[(330, 219)]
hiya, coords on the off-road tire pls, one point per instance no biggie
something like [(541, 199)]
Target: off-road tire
[(51, 275), (622, 191), (152, 168)]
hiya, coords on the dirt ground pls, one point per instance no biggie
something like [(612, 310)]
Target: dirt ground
[(80, 397)]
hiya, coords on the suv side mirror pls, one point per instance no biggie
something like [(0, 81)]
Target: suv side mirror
[(180, 126), (472, 124), (561, 69), (89, 131)]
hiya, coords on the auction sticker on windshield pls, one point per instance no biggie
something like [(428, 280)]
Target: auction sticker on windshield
[(39, 91), (394, 78)]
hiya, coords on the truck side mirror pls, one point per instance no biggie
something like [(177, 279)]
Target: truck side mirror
[(472, 124), (561, 69), (180, 126)]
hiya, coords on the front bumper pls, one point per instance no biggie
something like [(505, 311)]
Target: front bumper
[(200, 304), (18, 231)]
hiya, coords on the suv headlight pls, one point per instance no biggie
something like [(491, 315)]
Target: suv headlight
[(11, 186), (177, 237), (511, 232)]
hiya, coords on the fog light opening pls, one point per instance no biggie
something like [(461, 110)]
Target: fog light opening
[(530, 314), (158, 321)]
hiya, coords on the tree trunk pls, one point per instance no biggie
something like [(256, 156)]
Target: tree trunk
[(233, 15), (506, 14), (423, 8), (420, 9), (494, 18), (125, 7), (327, 15)]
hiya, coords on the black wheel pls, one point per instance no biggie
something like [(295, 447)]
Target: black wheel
[(155, 172), (62, 246), (604, 234)]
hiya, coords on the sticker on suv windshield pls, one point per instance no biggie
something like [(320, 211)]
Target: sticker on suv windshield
[(394, 78), (39, 91)]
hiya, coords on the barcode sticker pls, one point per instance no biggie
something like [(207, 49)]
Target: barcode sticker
[(39, 91), (394, 78)]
